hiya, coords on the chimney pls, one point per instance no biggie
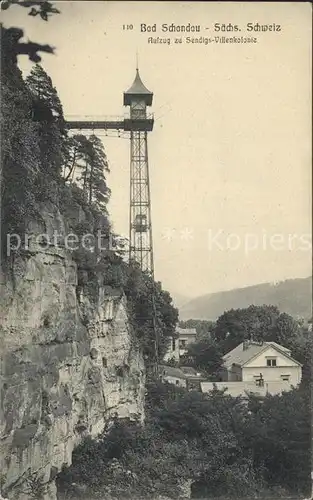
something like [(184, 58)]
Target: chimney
[(245, 345)]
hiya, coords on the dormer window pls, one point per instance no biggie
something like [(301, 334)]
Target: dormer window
[(271, 362)]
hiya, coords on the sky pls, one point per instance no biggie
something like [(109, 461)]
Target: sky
[(230, 154)]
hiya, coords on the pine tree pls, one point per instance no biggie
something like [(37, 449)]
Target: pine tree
[(48, 114), (98, 189), (20, 155), (89, 158), (41, 87)]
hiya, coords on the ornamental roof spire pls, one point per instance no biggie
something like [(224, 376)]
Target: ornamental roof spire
[(138, 89)]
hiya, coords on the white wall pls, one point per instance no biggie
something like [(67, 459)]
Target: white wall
[(273, 373), (189, 337), (281, 360), (236, 389), (234, 373), (284, 366)]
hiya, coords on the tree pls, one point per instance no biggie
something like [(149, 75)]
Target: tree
[(286, 329), (205, 356), (20, 153), (302, 349), (87, 156), (45, 9), (42, 89), (204, 328), (97, 187), (147, 299), (10, 37), (279, 435), (260, 323), (187, 438), (48, 114)]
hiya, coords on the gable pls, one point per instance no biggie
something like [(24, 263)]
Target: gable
[(240, 356), (260, 359)]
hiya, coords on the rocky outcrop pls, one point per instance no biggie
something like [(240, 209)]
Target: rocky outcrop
[(69, 364)]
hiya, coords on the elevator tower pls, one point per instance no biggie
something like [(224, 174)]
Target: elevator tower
[(139, 123)]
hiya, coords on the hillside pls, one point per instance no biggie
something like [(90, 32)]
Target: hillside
[(179, 300), (292, 296)]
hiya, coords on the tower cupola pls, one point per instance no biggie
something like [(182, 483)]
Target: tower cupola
[(138, 91)]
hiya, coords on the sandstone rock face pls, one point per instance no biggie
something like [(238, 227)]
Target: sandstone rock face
[(68, 365)]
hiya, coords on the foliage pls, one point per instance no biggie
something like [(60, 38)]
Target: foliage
[(279, 435), (147, 298), (48, 114), (10, 37), (204, 328), (87, 160), (302, 349), (254, 322), (204, 355), (20, 154), (45, 8), (220, 445)]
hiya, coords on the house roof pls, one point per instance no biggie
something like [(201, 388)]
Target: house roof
[(186, 331), (137, 88), (280, 347), (240, 356)]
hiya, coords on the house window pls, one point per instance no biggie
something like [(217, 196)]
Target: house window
[(285, 378), (177, 382), (271, 362), (173, 344), (182, 343)]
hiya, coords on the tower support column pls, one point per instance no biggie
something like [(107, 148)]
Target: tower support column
[(140, 237)]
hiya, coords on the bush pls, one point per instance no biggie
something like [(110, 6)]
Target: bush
[(220, 445)]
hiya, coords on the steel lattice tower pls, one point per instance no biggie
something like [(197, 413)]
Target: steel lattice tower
[(136, 125), (138, 97)]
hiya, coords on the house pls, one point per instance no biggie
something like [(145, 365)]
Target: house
[(178, 345), (260, 367), (184, 376), (186, 336)]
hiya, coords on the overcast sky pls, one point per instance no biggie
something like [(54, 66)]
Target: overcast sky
[(230, 152)]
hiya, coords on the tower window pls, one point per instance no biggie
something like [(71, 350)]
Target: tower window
[(138, 110)]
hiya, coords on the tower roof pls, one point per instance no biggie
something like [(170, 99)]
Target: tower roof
[(138, 89)]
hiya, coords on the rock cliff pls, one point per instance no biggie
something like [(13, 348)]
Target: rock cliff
[(68, 364)]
